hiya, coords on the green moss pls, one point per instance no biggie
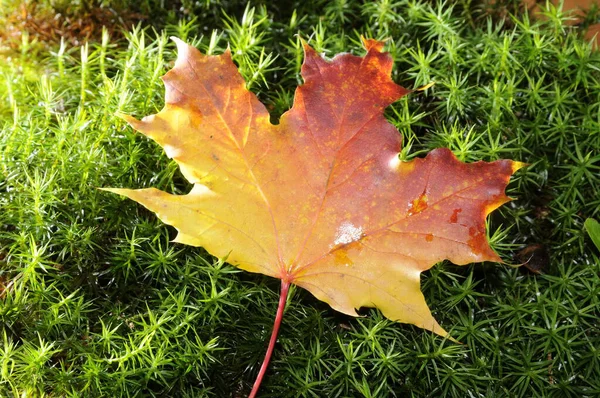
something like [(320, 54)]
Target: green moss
[(96, 301)]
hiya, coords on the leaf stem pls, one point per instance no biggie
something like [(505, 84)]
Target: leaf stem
[(285, 286)]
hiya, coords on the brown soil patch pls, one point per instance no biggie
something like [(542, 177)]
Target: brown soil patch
[(46, 26)]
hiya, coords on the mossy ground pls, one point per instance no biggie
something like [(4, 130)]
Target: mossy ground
[(96, 301)]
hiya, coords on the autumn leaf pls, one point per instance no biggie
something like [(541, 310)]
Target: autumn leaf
[(320, 200)]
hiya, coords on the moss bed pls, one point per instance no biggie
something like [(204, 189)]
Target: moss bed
[(96, 302)]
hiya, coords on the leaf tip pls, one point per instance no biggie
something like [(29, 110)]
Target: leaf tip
[(302, 41), (372, 44), (118, 191), (133, 122), (307, 47), (495, 204), (178, 42), (425, 87), (452, 339), (184, 52), (440, 331), (186, 239), (517, 166)]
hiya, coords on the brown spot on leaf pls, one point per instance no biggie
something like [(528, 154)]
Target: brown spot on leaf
[(418, 205), (341, 253), (341, 257), (454, 216), (476, 241)]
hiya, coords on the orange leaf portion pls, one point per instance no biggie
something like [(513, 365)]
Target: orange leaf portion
[(321, 199)]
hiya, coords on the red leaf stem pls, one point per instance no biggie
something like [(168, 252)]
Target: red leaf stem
[(285, 286)]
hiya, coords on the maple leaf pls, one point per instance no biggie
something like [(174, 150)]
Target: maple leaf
[(321, 199)]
